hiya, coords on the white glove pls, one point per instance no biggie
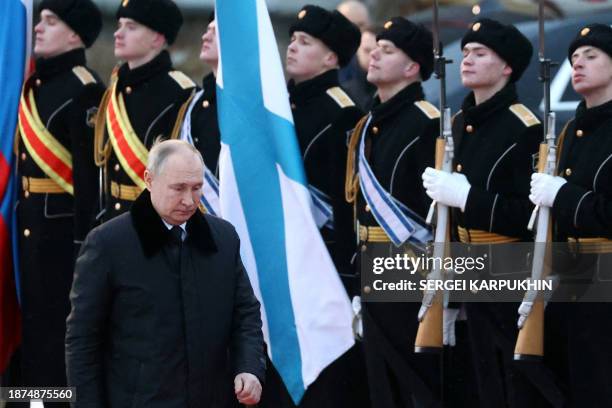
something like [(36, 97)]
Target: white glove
[(357, 319), (544, 189), (426, 303), (450, 317), (451, 189), (524, 309)]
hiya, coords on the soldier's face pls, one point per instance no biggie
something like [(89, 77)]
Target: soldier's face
[(388, 64), (307, 57), (210, 53), (591, 70), (52, 36), (481, 67), (367, 45), (134, 41), (176, 189)]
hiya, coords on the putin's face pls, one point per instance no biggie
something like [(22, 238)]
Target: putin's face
[(177, 186)]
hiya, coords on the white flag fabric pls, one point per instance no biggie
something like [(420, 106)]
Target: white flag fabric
[(264, 193)]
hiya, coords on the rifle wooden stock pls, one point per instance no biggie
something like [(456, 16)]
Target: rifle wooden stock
[(429, 336), (530, 341)]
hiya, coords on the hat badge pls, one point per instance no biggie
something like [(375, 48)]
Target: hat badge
[(125, 3), (585, 31), (476, 27), (302, 14), (388, 25)]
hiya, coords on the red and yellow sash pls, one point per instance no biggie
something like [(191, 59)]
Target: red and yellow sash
[(48, 153), (130, 151)]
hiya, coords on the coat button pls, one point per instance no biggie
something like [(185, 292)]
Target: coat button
[(196, 139), (26, 232), (38, 82), (469, 128), (367, 289), (459, 168), (367, 208), (117, 167), (293, 106), (375, 130), (128, 90), (579, 133), (568, 172), (26, 194), (23, 156), (117, 206), (364, 248), (205, 104)]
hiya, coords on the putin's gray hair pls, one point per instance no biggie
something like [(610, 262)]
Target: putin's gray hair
[(163, 149)]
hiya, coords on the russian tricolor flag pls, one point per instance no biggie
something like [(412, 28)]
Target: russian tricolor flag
[(263, 192), (15, 40)]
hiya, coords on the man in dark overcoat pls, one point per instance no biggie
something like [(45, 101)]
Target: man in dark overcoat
[(161, 304)]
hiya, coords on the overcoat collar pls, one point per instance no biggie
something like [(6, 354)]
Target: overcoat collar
[(154, 235)]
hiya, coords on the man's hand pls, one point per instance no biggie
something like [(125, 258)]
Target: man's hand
[(247, 388), (450, 189), (544, 189)]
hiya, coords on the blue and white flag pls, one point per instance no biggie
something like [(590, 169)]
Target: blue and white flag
[(263, 190), (210, 187)]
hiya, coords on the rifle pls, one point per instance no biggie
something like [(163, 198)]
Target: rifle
[(429, 336), (530, 340)]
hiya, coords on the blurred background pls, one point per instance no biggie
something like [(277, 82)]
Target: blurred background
[(564, 20)]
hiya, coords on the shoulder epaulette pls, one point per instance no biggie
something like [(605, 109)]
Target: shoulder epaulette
[(341, 98), (84, 75), (524, 114), (183, 80), (428, 109)]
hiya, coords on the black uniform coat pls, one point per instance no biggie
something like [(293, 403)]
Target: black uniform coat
[(496, 145), (145, 331), (324, 115), (154, 94), (578, 334), (52, 226), (400, 144), (205, 124)]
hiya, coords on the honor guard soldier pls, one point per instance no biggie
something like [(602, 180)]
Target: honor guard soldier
[(145, 100), (322, 41), (59, 180), (578, 335), (388, 151), (496, 139), (201, 124)]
